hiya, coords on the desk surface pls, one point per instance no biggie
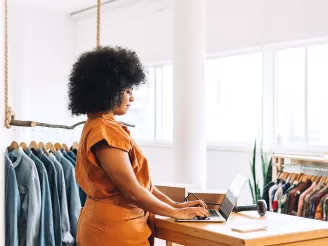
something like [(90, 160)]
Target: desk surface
[(282, 230)]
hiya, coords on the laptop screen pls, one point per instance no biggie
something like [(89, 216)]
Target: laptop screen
[(232, 195)]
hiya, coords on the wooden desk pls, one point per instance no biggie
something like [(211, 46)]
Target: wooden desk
[(282, 230)]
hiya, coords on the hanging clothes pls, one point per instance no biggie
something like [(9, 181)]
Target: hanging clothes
[(266, 191), (52, 176), (325, 210), (72, 192), (42, 197), (304, 198), (13, 204), (308, 199), (30, 196), (67, 237), (72, 155), (47, 236), (293, 204), (72, 159)]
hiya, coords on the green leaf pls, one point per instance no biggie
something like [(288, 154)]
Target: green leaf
[(252, 171), (254, 165), (251, 188), (263, 165)]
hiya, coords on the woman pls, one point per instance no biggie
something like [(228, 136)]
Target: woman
[(110, 167)]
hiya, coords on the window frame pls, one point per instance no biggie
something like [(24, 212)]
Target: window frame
[(305, 147), (269, 119), (238, 146)]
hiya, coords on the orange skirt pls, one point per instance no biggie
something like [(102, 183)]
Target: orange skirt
[(105, 224)]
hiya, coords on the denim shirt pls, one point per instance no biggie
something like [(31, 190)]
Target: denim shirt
[(72, 155), (66, 156), (30, 194), (67, 238), (82, 194), (52, 176), (13, 204), (47, 236), (72, 193)]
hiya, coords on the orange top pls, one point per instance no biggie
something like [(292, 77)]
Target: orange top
[(90, 174), (101, 190)]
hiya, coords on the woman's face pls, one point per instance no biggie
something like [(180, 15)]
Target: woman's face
[(126, 103)]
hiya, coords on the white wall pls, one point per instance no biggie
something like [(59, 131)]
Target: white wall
[(41, 54), (233, 24)]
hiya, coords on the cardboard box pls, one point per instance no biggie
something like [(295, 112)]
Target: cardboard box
[(176, 191), (208, 195)]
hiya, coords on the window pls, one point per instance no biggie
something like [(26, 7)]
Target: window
[(152, 110), (302, 103), (290, 95), (234, 98), (233, 106), (317, 95)]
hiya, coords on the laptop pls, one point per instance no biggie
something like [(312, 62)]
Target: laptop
[(227, 205)]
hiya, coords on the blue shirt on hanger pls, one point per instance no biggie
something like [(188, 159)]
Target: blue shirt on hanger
[(67, 237), (52, 177), (70, 159), (13, 204), (30, 194), (46, 222), (72, 193), (72, 155)]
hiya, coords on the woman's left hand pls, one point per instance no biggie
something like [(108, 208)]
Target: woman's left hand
[(196, 203)]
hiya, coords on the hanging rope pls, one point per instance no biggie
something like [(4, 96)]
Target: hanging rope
[(9, 114), (98, 22)]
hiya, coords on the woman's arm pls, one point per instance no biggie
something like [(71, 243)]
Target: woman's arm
[(157, 193), (161, 196), (117, 165)]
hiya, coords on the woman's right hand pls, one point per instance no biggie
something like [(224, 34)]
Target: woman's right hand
[(191, 212)]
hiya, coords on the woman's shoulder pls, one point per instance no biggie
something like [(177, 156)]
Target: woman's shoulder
[(107, 129)]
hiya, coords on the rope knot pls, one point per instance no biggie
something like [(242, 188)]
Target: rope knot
[(9, 116)]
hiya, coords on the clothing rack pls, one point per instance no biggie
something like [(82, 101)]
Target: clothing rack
[(298, 163), (299, 186), (51, 193), (25, 123), (309, 170)]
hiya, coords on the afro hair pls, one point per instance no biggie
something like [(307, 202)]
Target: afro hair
[(99, 78)]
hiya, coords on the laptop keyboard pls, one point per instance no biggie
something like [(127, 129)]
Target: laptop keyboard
[(213, 215)]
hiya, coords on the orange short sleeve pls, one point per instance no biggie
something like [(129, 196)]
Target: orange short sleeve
[(113, 134)]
